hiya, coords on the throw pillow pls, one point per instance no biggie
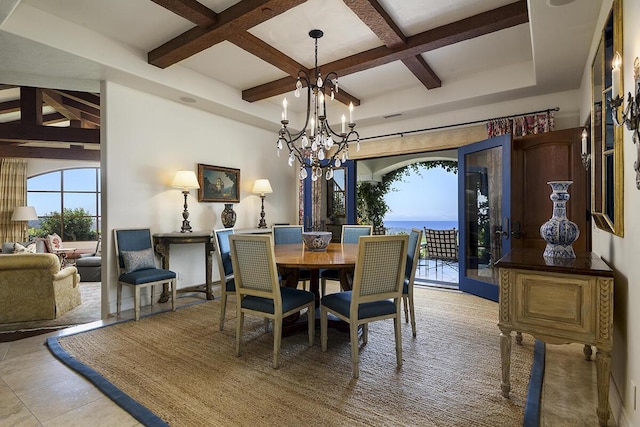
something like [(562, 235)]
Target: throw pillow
[(30, 248), (138, 260), (55, 242)]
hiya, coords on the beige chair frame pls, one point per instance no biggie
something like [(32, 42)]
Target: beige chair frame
[(361, 295), (263, 290)]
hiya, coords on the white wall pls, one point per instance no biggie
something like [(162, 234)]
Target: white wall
[(145, 140), (621, 253)]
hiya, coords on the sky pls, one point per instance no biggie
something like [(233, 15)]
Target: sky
[(433, 196)]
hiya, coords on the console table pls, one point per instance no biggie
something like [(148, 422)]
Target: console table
[(558, 301), (163, 242)]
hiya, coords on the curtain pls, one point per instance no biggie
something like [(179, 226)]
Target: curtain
[(13, 192), (521, 125)]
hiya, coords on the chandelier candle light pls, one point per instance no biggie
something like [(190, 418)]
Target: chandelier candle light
[(317, 146)]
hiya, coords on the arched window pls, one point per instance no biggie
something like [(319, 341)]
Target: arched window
[(67, 202)]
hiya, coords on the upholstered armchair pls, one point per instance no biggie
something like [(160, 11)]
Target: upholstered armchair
[(33, 287)]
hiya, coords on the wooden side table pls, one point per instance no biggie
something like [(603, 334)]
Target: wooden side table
[(558, 301)]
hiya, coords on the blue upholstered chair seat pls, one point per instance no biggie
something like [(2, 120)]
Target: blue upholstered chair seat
[(142, 277), (291, 298), (341, 303), (330, 273), (405, 287)]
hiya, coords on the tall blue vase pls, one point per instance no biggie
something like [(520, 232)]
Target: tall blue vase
[(559, 232)]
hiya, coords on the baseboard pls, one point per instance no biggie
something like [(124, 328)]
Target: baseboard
[(616, 403)]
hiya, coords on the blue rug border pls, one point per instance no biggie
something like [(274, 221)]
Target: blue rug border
[(534, 392), (132, 406)]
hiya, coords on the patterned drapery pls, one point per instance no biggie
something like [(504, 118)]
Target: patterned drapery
[(13, 192), (522, 125)]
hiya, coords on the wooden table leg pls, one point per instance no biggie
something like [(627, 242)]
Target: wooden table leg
[(163, 251), (505, 355), (603, 371)]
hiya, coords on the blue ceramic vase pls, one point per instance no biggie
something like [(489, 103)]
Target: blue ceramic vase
[(559, 232)]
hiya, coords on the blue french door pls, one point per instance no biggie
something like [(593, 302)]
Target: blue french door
[(350, 197), (484, 198)]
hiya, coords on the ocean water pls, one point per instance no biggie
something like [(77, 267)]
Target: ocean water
[(395, 227)]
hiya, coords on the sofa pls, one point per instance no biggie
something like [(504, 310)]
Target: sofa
[(33, 287), (90, 265)]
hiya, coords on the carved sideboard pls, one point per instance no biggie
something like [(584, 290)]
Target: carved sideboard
[(558, 301)]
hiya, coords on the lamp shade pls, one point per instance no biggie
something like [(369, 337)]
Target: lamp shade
[(185, 180), (24, 213), (262, 186)]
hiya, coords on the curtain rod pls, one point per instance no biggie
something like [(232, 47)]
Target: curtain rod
[(401, 134)]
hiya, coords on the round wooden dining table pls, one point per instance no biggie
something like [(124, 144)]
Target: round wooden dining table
[(290, 258), (340, 256)]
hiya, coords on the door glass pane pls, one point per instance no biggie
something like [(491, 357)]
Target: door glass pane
[(483, 213)]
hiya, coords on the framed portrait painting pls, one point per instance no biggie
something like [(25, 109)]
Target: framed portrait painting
[(218, 184)]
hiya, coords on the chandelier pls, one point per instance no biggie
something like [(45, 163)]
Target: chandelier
[(317, 146)]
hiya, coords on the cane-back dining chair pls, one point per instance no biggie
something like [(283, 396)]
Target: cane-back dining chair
[(350, 234), (291, 234), (413, 257), (258, 291), (376, 293), (137, 266), (223, 256)]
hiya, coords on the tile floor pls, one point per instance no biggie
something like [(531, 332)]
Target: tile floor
[(30, 378)]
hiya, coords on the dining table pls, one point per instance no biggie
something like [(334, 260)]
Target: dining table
[(290, 258)]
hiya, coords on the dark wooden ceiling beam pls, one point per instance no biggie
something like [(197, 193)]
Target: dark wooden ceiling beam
[(190, 10), (23, 132), (10, 106), (484, 23), (378, 20), (268, 53), (31, 105), (89, 99), (73, 153), (55, 100), (237, 18)]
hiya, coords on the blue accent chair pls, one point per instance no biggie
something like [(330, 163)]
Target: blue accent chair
[(138, 271), (413, 257), (223, 256), (287, 235), (258, 290), (350, 234), (376, 293)]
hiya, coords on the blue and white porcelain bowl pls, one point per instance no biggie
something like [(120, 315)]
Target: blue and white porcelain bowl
[(317, 240)]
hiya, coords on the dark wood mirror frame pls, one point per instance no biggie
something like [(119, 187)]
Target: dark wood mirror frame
[(607, 160)]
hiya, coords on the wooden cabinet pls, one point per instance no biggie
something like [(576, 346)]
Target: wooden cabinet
[(558, 301)]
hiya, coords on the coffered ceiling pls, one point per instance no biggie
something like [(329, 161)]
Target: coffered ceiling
[(396, 59)]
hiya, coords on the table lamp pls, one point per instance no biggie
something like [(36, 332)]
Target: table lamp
[(25, 214), (262, 187), (185, 180)]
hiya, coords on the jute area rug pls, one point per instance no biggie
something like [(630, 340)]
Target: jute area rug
[(184, 370)]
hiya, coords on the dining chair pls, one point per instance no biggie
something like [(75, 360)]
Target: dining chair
[(225, 269), (376, 293), (258, 291), (350, 234), (413, 257), (137, 266), (287, 235)]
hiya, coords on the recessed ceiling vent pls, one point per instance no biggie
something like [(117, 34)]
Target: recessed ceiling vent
[(390, 116)]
